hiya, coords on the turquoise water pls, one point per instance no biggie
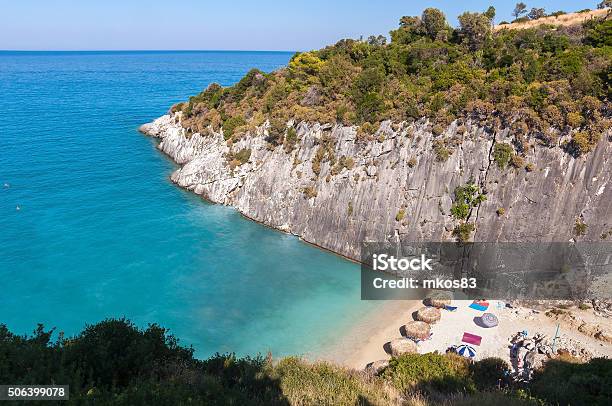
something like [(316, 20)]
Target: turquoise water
[(101, 231)]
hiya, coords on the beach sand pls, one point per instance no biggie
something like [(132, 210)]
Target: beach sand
[(364, 343)]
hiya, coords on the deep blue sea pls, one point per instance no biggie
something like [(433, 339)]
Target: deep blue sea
[(91, 227)]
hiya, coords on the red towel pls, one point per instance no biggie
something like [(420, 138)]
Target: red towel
[(471, 339)]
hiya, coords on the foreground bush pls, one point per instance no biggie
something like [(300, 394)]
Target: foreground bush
[(116, 363), (567, 382)]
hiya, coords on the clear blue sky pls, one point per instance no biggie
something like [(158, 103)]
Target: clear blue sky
[(224, 24)]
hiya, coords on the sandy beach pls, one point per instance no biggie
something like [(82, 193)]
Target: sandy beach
[(365, 342)]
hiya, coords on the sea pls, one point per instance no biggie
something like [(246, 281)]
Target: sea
[(92, 228)]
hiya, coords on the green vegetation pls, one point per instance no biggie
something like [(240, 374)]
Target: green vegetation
[(430, 373), (462, 232), (115, 363), (239, 158), (580, 227), (582, 384), (541, 83), (502, 154), (466, 198), (501, 211), (401, 214)]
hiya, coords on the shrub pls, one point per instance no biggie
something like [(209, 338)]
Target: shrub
[(517, 161), (442, 153), (462, 232), (501, 211), (243, 155), (563, 382), (400, 215), (230, 125), (412, 162), (310, 192), (430, 373), (489, 372), (466, 197), (323, 383), (530, 167), (291, 139), (502, 154), (580, 227)]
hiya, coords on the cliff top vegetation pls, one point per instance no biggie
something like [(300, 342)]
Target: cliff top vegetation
[(545, 83)]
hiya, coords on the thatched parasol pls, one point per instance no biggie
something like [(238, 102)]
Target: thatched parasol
[(428, 314), (438, 299), (417, 330), (401, 346)]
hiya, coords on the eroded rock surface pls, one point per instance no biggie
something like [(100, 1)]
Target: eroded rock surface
[(396, 170)]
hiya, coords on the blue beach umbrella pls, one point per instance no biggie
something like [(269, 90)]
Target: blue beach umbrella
[(466, 351)]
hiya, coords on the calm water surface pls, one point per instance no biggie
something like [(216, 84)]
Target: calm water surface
[(101, 232)]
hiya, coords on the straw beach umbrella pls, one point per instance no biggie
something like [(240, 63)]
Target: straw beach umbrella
[(417, 330), (428, 314), (401, 346), (438, 299)]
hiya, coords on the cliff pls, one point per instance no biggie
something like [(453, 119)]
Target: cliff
[(393, 186)]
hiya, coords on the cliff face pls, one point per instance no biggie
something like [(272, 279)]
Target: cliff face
[(396, 189)]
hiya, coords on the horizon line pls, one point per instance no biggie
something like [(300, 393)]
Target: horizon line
[(145, 50)]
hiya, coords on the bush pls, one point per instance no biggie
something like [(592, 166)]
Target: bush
[(502, 154), (462, 232), (230, 125), (580, 227), (442, 153), (563, 382), (430, 373), (310, 192), (466, 197), (322, 383), (490, 372), (400, 215), (517, 161), (501, 211)]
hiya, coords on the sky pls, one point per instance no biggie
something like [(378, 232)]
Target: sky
[(290, 25)]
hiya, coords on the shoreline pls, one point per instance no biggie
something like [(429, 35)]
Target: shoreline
[(365, 340)]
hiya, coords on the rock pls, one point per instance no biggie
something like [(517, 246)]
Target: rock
[(269, 190), (312, 97)]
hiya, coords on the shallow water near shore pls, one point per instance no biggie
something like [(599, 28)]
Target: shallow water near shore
[(91, 227)]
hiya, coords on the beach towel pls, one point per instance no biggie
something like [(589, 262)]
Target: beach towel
[(480, 305), (471, 339), (450, 308)]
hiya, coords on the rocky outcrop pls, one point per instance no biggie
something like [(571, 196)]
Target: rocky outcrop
[(395, 188)]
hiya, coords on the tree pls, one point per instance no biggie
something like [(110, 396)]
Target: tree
[(536, 13), (434, 22), (474, 29), (519, 9), (377, 41), (490, 13), (605, 4)]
